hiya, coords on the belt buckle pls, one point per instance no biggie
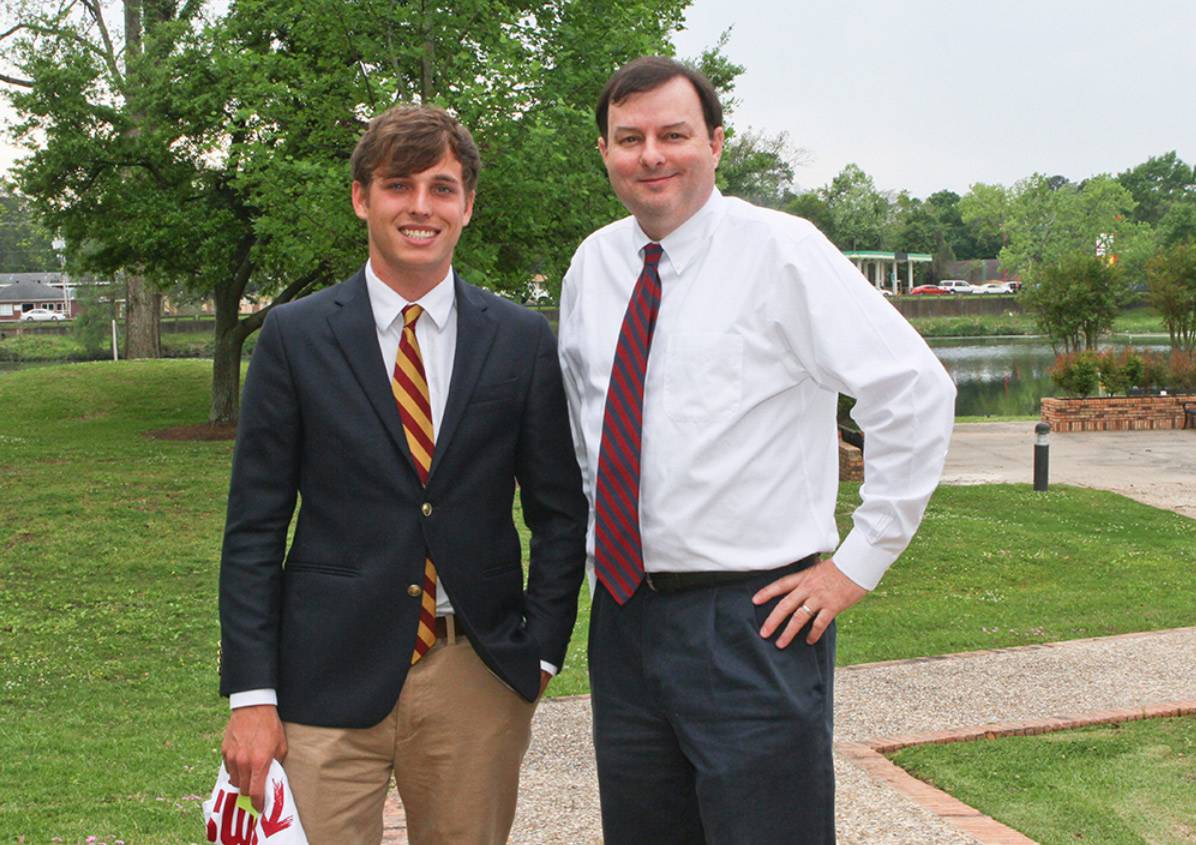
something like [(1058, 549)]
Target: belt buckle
[(648, 579)]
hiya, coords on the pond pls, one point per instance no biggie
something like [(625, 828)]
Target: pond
[(1007, 376)]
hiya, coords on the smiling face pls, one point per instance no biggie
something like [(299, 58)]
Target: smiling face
[(414, 223), (659, 155)]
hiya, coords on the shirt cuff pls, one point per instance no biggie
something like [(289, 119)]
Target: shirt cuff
[(862, 562), (552, 670), (252, 697)]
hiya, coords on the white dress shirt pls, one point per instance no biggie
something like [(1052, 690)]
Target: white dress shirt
[(762, 323)]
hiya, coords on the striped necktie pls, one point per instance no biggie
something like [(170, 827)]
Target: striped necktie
[(618, 547), (410, 388)]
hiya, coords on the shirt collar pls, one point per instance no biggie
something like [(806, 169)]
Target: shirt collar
[(387, 305), (683, 244)]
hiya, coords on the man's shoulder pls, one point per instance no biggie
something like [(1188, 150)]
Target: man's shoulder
[(318, 303), (766, 222), (498, 307), (620, 228)]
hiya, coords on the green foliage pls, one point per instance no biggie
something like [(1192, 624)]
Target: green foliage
[(758, 168), (860, 214), (1075, 298), (1077, 373), (24, 246), (984, 210), (1171, 283), (1104, 785), (1048, 220), (1157, 184), (1080, 373), (92, 327)]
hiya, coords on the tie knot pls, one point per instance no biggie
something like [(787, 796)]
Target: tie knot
[(652, 253), (411, 314)]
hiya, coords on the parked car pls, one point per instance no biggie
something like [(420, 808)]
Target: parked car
[(928, 290), (994, 287), (40, 314), (956, 286)]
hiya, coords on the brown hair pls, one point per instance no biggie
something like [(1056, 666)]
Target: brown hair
[(648, 73), (409, 139)]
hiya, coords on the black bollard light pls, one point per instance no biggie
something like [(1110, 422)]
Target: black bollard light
[(1042, 453)]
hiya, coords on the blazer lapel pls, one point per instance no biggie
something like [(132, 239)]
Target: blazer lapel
[(353, 327), (475, 336)]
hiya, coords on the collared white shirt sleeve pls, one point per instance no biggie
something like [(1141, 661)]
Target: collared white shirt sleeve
[(762, 323)]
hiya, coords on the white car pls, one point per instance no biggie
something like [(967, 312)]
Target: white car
[(995, 287), (956, 286), (40, 314)]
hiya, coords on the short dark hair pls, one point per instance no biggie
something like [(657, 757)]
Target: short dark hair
[(648, 73), (409, 139)]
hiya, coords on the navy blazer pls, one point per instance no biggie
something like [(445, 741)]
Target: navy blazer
[(332, 629)]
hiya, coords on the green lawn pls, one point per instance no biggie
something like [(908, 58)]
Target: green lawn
[(1120, 784), (109, 718)]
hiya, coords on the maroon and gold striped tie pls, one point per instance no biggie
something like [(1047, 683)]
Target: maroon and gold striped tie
[(410, 388)]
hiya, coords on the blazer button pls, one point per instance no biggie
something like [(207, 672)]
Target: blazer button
[(414, 591), (426, 509)]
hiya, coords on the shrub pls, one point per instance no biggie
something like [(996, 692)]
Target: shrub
[(1077, 373), (1182, 372), (1155, 371)]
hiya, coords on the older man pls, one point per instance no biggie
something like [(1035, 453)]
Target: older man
[(704, 343)]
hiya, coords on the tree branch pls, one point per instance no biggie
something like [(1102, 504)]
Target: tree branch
[(12, 80), (109, 52)]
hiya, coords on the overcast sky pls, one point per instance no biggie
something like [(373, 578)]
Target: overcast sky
[(932, 94)]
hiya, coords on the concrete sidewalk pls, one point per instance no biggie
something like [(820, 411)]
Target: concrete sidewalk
[(1157, 468), (559, 795)]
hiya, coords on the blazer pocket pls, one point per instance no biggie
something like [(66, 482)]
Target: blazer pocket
[(498, 391), (340, 570), (502, 569)]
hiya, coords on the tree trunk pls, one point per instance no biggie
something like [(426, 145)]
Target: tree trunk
[(226, 358), (143, 319)]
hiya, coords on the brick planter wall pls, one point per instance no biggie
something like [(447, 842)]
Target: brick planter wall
[(851, 463), (1115, 413)]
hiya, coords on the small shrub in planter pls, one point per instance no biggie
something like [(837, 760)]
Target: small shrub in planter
[(1155, 371), (1182, 372), (1077, 373)]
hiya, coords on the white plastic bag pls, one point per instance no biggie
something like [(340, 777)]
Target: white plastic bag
[(231, 819)]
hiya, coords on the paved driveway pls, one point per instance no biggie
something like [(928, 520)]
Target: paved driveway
[(1154, 467)]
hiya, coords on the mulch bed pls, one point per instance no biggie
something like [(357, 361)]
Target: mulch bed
[(199, 431)]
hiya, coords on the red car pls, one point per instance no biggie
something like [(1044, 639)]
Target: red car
[(928, 290)]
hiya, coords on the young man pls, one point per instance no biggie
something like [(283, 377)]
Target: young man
[(401, 407), (704, 343)]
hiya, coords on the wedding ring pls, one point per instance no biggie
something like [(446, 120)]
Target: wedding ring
[(806, 609)]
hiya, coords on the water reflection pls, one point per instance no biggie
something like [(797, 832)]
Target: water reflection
[(1004, 376)]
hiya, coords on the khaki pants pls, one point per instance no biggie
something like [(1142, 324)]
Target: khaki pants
[(454, 740)]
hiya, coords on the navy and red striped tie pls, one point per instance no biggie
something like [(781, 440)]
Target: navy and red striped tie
[(618, 548)]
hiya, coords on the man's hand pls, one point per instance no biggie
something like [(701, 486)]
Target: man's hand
[(545, 677), (253, 738), (819, 593)]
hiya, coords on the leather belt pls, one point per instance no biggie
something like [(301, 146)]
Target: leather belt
[(675, 582), (446, 628)]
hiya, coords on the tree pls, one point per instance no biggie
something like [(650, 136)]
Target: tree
[(758, 168), (235, 182), (1178, 225), (1075, 298), (984, 210), (1171, 282), (1157, 184), (24, 247), (1048, 219), (814, 208), (860, 214), (89, 81)]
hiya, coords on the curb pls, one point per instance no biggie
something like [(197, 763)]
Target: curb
[(870, 757)]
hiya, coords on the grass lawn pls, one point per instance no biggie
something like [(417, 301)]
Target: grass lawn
[(66, 347), (1140, 320), (109, 718), (1118, 784)]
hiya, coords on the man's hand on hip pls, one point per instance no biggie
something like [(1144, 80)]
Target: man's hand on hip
[(819, 593), (253, 738)]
